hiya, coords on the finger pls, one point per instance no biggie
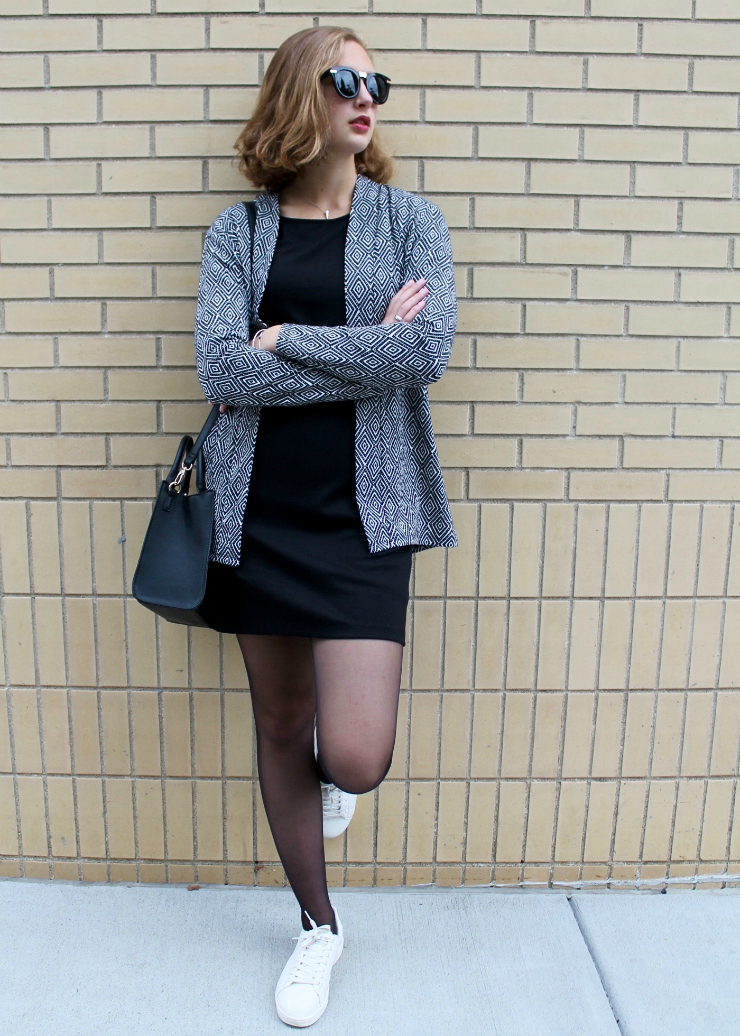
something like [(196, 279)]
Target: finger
[(412, 298), (410, 311), (408, 289), (405, 298)]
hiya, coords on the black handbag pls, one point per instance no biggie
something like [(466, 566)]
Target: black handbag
[(171, 574), (170, 577)]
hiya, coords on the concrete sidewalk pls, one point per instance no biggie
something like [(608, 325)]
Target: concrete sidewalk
[(132, 960)]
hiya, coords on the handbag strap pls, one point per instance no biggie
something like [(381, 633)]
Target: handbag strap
[(204, 433), (251, 208), (252, 217)]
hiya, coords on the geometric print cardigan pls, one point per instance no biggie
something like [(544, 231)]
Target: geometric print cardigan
[(392, 236)]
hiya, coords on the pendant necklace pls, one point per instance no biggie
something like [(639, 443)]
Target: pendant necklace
[(325, 211)]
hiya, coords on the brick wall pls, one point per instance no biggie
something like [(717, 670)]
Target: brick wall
[(571, 704)]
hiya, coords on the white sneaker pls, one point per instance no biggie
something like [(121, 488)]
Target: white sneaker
[(338, 806), (302, 992)]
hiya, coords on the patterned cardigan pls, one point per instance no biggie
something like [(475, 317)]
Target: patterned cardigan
[(392, 236)]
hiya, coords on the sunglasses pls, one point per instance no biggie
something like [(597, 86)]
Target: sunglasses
[(347, 83)]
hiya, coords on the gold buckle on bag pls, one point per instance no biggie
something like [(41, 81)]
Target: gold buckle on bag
[(175, 485)]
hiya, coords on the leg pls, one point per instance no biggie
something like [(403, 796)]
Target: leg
[(281, 680), (357, 687)]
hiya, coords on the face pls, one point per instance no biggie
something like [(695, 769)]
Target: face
[(352, 120)]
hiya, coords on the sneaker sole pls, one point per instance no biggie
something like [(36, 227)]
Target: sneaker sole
[(302, 1023)]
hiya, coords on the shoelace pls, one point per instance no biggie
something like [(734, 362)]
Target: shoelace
[(334, 802), (314, 956)]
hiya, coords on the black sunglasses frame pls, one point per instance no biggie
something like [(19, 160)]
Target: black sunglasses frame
[(374, 77)]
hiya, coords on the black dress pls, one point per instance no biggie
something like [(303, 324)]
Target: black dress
[(306, 569)]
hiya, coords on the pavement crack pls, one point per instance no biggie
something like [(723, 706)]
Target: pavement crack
[(597, 966)]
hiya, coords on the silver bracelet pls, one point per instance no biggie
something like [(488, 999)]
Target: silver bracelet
[(256, 338)]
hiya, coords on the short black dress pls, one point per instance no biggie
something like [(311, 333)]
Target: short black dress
[(306, 569)]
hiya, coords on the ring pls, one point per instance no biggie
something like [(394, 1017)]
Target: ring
[(398, 317)]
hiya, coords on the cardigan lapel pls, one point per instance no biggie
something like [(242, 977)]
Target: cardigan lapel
[(265, 239), (359, 254)]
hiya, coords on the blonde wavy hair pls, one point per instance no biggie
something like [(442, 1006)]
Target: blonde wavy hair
[(290, 123)]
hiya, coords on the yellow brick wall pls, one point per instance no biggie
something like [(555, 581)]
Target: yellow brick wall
[(571, 694)]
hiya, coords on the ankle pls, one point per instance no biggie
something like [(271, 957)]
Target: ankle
[(319, 919)]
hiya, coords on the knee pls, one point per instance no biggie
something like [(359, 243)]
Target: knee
[(286, 720), (357, 774)]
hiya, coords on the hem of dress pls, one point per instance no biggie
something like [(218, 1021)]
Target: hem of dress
[(327, 633)]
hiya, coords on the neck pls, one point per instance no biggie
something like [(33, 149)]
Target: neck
[(329, 185)]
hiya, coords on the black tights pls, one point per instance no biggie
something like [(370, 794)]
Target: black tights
[(351, 687)]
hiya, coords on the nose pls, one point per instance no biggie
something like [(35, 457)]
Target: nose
[(364, 94)]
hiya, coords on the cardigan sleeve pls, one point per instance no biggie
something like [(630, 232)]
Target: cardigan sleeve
[(401, 353), (229, 369)]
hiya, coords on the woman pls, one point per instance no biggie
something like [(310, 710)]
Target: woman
[(318, 515)]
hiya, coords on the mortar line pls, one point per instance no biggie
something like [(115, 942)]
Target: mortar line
[(503, 681), (125, 599), (625, 701), (440, 703), (472, 692), (535, 681), (27, 508), (407, 759)]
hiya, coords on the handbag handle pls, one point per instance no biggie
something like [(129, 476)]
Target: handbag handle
[(178, 480)]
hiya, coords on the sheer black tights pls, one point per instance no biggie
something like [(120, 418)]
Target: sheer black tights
[(351, 687)]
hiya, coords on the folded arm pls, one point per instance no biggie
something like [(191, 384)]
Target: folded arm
[(398, 353), (232, 371)]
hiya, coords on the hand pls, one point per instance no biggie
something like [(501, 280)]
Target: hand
[(268, 338), (407, 302)]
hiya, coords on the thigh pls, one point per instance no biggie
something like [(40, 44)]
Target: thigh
[(281, 675), (357, 689)]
